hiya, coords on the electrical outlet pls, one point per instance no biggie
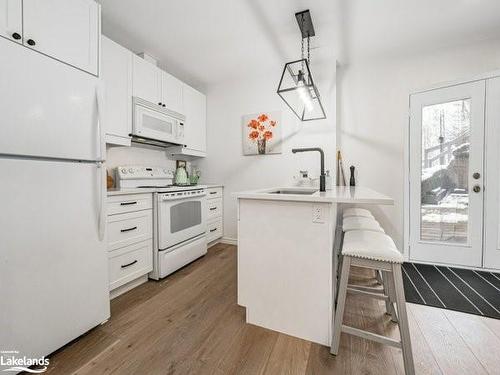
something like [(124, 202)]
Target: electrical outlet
[(317, 214)]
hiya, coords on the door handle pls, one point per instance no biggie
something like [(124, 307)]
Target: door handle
[(212, 208), (213, 230), (16, 36), (476, 188), (101, 213)]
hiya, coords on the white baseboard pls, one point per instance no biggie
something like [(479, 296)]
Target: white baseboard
[(229, 241), (128, 286)]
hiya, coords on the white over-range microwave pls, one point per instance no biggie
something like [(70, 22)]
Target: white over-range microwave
[(154, 123)]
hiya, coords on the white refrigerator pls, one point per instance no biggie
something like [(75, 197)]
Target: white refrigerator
[(53, 261)]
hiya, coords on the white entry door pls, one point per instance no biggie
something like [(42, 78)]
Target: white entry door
[(446, 175), (492, 176)]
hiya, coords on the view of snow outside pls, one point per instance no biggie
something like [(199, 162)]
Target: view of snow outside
[(445, 165)]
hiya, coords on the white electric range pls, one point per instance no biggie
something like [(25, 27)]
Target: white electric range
[(179, 217)]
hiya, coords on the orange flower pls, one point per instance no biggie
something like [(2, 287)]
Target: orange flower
[(261, 128), (253, 135), (263, 117), (253, 124), (273, 123), (268, 135)]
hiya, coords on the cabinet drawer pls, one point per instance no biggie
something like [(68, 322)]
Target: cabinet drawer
[(213, 193), (119, 204), (129, 228), (129, 263), (214, 208), (214, 230)]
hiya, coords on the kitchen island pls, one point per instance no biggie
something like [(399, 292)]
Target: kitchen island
[(286, 256)]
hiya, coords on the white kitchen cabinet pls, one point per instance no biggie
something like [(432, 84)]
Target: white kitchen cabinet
[(195, 108), (11, 20), (156, 86), (146, 81), (116, 74), (129, 241), (214, 214), (67, 30), (172, 93)]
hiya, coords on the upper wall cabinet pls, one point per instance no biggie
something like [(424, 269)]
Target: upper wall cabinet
[(67, 30), (147, 81), (116, 74), (156, 86), (172, 93), (11, 20), (195, 105)]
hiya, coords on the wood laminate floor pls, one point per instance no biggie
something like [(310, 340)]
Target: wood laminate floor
[(189, 323)]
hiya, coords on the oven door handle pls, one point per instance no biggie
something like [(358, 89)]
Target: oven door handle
[(186, 197)]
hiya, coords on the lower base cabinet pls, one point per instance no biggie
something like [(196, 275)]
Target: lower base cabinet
[(214, 214), (129, 240)]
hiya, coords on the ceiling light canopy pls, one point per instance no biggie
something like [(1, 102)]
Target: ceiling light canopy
[(296, 87)]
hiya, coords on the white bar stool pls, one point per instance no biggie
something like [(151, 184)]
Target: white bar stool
[(355, 211), (374, 250), (361, 223)]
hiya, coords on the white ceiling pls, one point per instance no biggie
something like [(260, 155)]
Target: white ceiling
[(208, 41)]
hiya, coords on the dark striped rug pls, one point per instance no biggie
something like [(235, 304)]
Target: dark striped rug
[(475, 292)]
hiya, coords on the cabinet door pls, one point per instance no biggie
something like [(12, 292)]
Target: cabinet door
[(195, 104), (147, 81), (67, 30), (11, 23), (116, 73), (172, 89)]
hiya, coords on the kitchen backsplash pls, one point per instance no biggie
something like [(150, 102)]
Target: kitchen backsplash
[(137, 155)]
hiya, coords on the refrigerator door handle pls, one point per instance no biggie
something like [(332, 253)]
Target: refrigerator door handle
[(101, 212), (100, 119)]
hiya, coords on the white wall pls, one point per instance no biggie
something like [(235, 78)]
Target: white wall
[(373, 114), (226, 104)]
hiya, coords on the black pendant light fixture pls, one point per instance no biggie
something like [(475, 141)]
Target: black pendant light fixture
[(296, 87)]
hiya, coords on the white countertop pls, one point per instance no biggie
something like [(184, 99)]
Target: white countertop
[(338, 194), (116, 191)]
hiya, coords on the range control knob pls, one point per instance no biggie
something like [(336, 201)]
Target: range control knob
[(131, 170), (124, 171)]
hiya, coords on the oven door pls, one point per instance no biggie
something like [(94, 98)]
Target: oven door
[(157, 125), (180, 220)]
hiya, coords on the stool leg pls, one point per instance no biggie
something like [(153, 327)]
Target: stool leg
[(339, 311), (389, 306), (378, 276), (391, 293), (404, 329)]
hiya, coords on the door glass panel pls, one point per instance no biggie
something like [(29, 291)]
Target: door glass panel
[(445, 170), (185, 215)]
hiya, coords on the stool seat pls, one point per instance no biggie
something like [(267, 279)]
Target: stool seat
[(355, 211), (371, 245), (361, 223)]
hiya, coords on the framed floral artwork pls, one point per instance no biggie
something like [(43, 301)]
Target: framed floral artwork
[(262, 133)]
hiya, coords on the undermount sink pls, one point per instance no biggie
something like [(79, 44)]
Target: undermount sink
[(293, 192)]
